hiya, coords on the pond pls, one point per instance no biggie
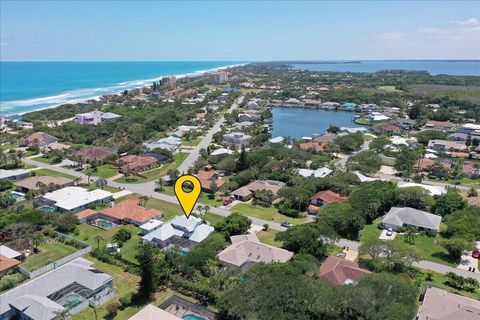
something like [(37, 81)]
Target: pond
[(299, 122)]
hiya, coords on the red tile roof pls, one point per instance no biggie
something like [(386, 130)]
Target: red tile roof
[(207, 177), (134, 162), (314, 146), (7, 263), (132, 210), (86, 213), (336, 271), (425, 163), (328, 196), (387, 128)]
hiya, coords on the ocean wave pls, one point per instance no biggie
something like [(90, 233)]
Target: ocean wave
[(78, 95)]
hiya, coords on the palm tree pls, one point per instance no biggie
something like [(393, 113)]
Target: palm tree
[(159, 184), (143, 201), (200, 209), (410, 234), (62, 314), (206, 208), (101, 183), (77, 180), (98, 238), (37, 238), (42, 187), (89, 174)]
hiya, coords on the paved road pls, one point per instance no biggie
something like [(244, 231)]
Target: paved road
[(342, 162), (440, 268), (195, 153)]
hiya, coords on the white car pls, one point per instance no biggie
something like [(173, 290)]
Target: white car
[(389, 232)]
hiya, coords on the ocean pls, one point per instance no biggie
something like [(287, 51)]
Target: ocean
[(434, 67), (29, 86)]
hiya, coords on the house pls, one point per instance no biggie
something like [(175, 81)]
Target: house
[(73, 286), (32, 183), (246, 192), (207, 178), (349, 105), (350, 130), (318, 173), (7, 264), (311, 103), (10, 253), (439, 125), (446, 146), (252, 105), (40, 139), (76, 199), (276, 140), (457, 136), (150, 226), (15, 174), (432, 190), (219, 77), (338, 271), (221, 151), (471, 129), (109, 116), (312, 146), (427, 165), (387, 129), (293, 103), (436, 303), (171, 143), (93, 153), (325, 138), (406, 124), (237, 138), (469, 169), (180, 232), (89, 118), (396, 218), (330, 105), (322, 198), (59, 146), (150, 312), (127, 211), (134, 164), (377, 117), (247, 250)]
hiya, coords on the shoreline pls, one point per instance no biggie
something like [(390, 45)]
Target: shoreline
[(130, 84)]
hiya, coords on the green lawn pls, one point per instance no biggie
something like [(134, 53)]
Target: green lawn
[(43, 159), (430, 249), (48, 172), (363, 120), (370, 231), (389, 89), (168, 209), (103, 171), (87, 233), (157, 173), (49, 252), (269, 214), (192, 142), (438, 281), (268, 237), (466, 182), (93, 186)]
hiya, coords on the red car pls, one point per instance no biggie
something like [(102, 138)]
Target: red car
[(476, 254), (228, 201)]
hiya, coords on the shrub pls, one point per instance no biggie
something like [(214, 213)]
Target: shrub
[(112, 308)]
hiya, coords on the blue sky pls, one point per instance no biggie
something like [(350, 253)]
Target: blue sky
[(246, 31)]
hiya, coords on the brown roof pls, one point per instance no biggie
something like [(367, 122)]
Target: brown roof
[(7, 263), (132, 210), (387, 128), (86, 213), (474, 201), (134, 162), (312, 146), (30, 183), (93, 153), (425, 163), (271, 185), (439, 304), (433, 123), (328, 196), (41, 137), (207, 177), (338, 271), (326, 137)]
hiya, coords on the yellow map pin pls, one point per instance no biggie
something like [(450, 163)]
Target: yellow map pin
[(187, 199)]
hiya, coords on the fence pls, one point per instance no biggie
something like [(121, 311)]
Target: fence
[(59, 262)]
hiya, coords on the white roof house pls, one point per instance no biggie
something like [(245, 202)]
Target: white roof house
[(399, 217), (191, 228), (433, 190), (76, 198), (13, 174), (318, 173), (8, 252), (354, 129), (221, 151), (150, 225), (276, 140)]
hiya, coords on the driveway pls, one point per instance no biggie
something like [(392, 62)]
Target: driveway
[(467, 261), (383, 235)]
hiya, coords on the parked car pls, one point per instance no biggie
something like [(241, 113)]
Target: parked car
[(228, 201), (286, 224), (476, 254), (389, 232)]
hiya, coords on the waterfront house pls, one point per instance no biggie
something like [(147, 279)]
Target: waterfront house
[(73, 286), (397, 218), (40, 139), (377, 117), (237, 138), (15, 174), (330, 105), (75, 199), (436, 303), (32, 183), (252, 105), (179, 232), (311, 103), (276, 140), (338, 271), (349, 130), (446, 145), (246, 192), (387, 129), (135, 164), (313, 146), (349, 105), (247, 250), (293, 103)]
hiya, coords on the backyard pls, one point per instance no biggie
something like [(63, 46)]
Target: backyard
[(48, 252), (157, 173), (48, 172), (265, 213), (268, 237)]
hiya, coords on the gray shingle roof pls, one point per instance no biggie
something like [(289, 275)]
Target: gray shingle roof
[(410, 216)]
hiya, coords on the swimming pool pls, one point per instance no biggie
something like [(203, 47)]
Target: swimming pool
[(47, 209), (71, 300), (193, 317), (104, 224), (17, 196)]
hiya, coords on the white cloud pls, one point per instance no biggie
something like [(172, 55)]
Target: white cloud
[(393, 36), (435, 31), (468, 22)]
